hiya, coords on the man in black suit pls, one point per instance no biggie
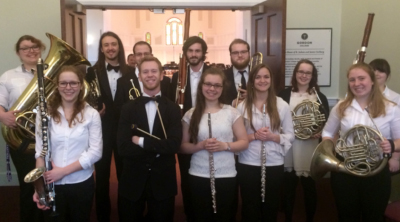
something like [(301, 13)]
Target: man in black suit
[(140, 50), (238, 73), (195, 49), (149, 173), (109, 67)]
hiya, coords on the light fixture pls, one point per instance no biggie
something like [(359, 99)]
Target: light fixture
[(158, 11), (179, 11)]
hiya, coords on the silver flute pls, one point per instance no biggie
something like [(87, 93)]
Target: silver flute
[(212, 169), (263, 160)]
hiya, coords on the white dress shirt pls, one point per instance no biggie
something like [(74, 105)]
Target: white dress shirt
[(12, 83), (392, 95), (389, 125), (83, 142), (140, 82), (238, 77), (151, 110), (112, 79), (194, 82), (275, 151)]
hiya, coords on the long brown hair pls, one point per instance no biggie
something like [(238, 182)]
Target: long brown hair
[(376, 100), (314, 77), (271, 102), (101, 59), (55, 100), (201, 101)]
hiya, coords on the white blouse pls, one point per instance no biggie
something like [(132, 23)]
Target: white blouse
[(82, 142), (275, 152), (221, 127), (12, 83), (389, 125), (392, 95)]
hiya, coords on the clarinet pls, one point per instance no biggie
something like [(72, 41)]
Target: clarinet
[(263, 160), (45, 191), (212, 169)]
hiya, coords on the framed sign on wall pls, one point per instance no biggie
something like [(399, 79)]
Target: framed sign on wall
[(314, 44)]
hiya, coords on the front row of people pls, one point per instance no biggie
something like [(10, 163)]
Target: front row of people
[(150, 133)]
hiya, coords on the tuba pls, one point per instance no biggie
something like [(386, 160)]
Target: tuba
[(358, 150), (308, 119), (256, 59), (23, 137)]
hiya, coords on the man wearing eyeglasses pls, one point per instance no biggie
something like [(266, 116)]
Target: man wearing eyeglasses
[(141, 49), (110, 66), (238, 74)]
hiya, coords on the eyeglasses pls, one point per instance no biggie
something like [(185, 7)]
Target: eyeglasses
[(302, 73), (236, 53), (27, 49), (209, 85), (143, 54), (72, 84)]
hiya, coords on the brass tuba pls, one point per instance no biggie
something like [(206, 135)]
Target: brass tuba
[(358, 147), (256, 59), (60, 54), (307, 118)]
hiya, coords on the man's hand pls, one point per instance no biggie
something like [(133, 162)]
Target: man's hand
[(103, 110), (8, 118)]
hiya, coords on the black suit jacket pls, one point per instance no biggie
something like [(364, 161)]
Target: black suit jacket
[(188, 95), (141, 165), (231, 91), (124, 85), (109, 119)]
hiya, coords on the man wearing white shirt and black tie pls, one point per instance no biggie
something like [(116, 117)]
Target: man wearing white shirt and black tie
[(238, 74), (110, 66)]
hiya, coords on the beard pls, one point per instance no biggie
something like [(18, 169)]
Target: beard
[(193, 61), (241, 65), (151, 87)]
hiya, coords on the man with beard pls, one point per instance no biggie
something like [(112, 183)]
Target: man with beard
[(141, 50), (195, 49), (109, 67), (149, 174), (238, 73)]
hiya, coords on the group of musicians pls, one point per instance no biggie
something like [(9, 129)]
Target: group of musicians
[(233, 132)]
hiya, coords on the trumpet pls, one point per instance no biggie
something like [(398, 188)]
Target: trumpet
[(212, 169), (263, 160), (137, 93)]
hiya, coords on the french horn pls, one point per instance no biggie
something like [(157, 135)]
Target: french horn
[(23, 137), (358, 150), (307, 118)]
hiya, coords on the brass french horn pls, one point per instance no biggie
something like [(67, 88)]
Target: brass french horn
[(359, 150), (60, 54)]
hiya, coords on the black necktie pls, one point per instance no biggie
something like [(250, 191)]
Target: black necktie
[(110, 67), (243, 80), (148, 99)]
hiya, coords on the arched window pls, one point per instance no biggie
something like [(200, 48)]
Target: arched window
[(200, 34), (148, 38), (174, 32)]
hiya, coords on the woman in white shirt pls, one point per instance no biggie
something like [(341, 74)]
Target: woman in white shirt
[(76, 144), (226, 124), (382, 72), (363, 198), (298, 159), (12, 83), (275, 133)]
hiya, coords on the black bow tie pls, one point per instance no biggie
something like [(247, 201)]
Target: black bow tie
[(110, 67), (148, 99)]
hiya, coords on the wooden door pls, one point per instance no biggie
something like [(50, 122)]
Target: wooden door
[(73, 25), (268, 27)]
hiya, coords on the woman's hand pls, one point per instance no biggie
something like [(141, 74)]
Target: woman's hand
[(55, 174), (394, 164), (385, 146), (103, 110), (36, 200), (264, 134), (212, 145), (8, 118), (316, 136)]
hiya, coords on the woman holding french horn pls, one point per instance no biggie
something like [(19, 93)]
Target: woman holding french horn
[(208, 132), (309, 116), (363, 198), (268, 122)]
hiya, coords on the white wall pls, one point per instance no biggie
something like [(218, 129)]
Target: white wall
[(19, 18), (94, 19)]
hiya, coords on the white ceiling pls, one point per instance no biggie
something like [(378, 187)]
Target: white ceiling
[(197, 4)]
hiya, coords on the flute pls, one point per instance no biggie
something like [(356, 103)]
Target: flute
[(212, 169), (263, 160)]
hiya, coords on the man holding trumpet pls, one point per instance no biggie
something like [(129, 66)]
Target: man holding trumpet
[(148, 150)]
